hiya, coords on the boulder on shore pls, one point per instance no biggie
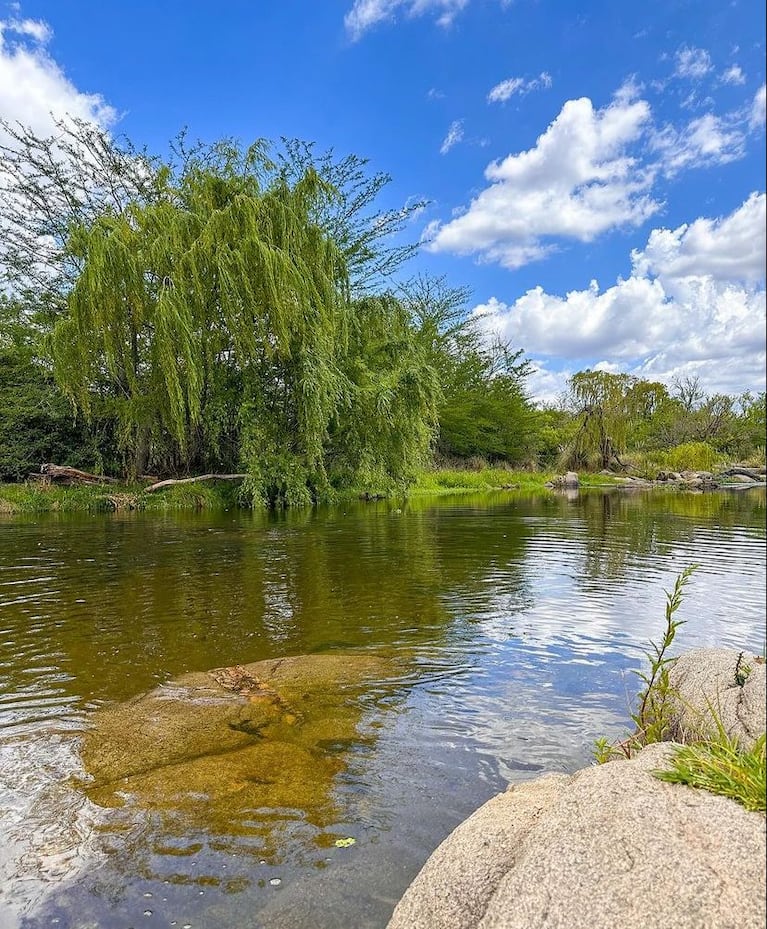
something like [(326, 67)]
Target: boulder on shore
[(611, 845), (568, 481), (716, 687)]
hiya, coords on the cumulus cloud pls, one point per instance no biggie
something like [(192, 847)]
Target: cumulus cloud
[(453, 137), (728, 249), (592, 171), (517, 85), (33, 86), (694, 304), (692, 63), (365, 14), (578, 181)]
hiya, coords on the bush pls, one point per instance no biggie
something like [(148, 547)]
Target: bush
[(692, 456)]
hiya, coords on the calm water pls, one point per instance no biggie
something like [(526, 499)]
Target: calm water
[(513, 622)]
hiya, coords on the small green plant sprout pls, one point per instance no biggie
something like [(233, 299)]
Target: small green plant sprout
[(653, 717), (742, 670), (604, 750)]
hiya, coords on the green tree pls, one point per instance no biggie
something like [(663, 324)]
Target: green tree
[(224, 279), (37, 423), (611, 410), (483, 409), (382, 435)]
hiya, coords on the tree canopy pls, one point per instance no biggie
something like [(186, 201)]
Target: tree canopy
[(219, 308)]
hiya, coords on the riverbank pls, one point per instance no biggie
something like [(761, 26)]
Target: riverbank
[(40, 497)]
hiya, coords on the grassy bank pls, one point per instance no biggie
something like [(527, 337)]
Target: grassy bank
[(38, 498), (218, 495), (456, 480)]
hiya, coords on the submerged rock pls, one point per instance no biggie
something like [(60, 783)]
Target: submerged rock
[(217, 745)]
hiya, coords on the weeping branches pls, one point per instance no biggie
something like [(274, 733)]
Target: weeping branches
[(205, 307)]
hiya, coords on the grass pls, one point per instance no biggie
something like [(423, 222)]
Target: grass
[(41, 498), (722, 767), (460, 480)]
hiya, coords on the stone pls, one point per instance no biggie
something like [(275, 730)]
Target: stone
[(613, 845), (610, 846), (718, 686), (571, 480), (211, 746)]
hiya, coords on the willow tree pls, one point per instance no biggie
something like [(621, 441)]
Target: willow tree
[(223, 283), (382, 432), (202, 305), (610, 408)]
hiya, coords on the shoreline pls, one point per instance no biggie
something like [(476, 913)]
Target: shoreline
[(29, 498)]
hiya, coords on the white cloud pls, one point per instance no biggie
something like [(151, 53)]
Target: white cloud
[(733, 75), (591, 171), (517, 85), (757, 115), (694, 304), (37, 94), (703, 142), (32, 85), (728, 249), (365, 14), (578, 181), (692, 63), (453, 137)]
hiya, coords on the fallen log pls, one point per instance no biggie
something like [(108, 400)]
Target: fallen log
[(60, 474), (193, 480), (755, 474)]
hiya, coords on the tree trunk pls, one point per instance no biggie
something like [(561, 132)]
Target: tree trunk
[(193, 480)]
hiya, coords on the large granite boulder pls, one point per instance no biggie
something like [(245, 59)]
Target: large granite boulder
[(609, 846), (612, 845)]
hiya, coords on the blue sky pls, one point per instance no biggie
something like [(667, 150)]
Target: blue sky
[(595, 172)]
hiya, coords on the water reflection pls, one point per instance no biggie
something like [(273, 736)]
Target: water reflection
[(511, 623)]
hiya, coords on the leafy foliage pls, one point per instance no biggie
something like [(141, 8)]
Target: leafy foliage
[(204, 308), (37, 423), (610, 407), (483, 410)]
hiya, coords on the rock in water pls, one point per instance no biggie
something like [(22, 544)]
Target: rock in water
[(609, 846), (214, 746), (613, 845)]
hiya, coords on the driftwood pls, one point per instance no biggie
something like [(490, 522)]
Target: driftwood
[(193, 480), (60, 474), (755, 474)]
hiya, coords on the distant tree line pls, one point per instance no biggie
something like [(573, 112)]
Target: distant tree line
[(613, 421), (241, 309)]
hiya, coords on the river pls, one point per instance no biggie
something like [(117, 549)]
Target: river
[(513, 622)]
